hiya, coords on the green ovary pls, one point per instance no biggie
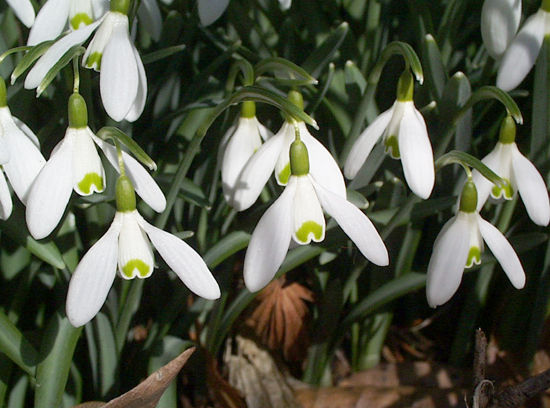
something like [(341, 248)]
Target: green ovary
[(284, 174), (474, 257), (392, 147), (89, 180), (142, 268), (506, 191), (94, 59), (80, 18), (309, 227)]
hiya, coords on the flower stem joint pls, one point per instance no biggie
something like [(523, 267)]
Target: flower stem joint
[(78, 112), (299, 159), (121, 6), (125, 195), (468, 198)]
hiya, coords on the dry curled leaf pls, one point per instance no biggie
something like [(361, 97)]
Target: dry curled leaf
[(280, 317)]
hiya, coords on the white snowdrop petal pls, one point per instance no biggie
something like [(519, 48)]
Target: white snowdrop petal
[(51, 191), (355, 224), (23, 10), (256, 173), (149, 16), (265, 133), (309, 221), (531, 187), (93, 277), (119, 79), (503, 252), (144, 185), (211, 10), (135, 255), (282, 166), (365, 142), (285, 4), (270, 241), (6, 204), (100, 7), (322, 165), (55, 52), (499, 23), (416, 153), (522, 53), (448, 260), (184, 261), (25, 160), (88, 173), (80, 14), (139, 103), (50, 21), (27, 131), (494, 161)]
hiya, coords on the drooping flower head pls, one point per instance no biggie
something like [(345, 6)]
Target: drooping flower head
[(75, 165), (23, 10), (507, 161), (405, 136), (459, 245), (127, 244), (499, 24), (298, 215)]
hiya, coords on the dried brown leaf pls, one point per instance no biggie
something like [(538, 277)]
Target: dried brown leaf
[(224, 393)]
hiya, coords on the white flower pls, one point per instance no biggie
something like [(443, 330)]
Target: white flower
[(23, 10), (274, 154), (20, 159), (298, 215), (127, 243), (405, 136), (211, 10), (522, 53), (239, 144), (459, 245), (499, 23)]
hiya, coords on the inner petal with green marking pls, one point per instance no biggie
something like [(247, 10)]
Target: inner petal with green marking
[(309, 230), (474, 257), (136, 267), (80, 18), (507, 191), (90, 183), (284, 174), (392, 147), (94, 60)]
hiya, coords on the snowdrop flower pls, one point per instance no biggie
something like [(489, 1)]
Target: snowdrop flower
[(239, 143), (122, 82), (499, 23), (405, 136), (298, 215), (459, 245), (274, 155), (127, 244), (23, 10), (75, 164), (211, 10), (507, 161), (20, 156), (522, 53)]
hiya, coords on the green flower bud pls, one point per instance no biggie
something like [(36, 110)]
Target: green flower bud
[(299, 159), (405, 87), (78, 113), (248, 109), (468, 199), (3, 93), (507, 130), (121, 6), (125, 195)]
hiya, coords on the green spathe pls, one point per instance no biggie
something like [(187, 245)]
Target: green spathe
[(89, 180), (507, 132), (120, 6), (78, 112), (307, 228), (143, 269), (299, 158), (545, 5), (296, 98), (125, 195), (80, 18)]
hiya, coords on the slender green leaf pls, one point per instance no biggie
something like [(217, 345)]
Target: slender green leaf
[(14, 345), (224, 248), (324, 53), (161, 54), (492, 92), (34, 53), (286, 72), (436, 74)]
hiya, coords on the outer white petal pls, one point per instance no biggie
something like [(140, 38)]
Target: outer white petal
[(55, 52), (23, 10), (6, 204), (322, 165), (100, 7), (119, 79), (309, 221), (499, 23), (503, 252), (86, 162), (416, 153), (211, 10), (135, 255), (531, 187), (25, 160), (285, 4), (256, 173), (93, 277), (144, 185), (494, 160), (149, 16), (448, 259), (270, 240), (265, 133), (139, 103), (282, 167), (355, 224), (27, 131), (522, 53), (50, 192), (50, 21), (240, 147), (184, 261), (365, 142)]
